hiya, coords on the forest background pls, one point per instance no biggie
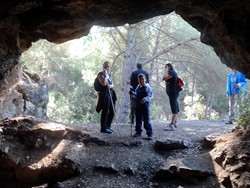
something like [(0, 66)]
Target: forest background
[(70, 69)]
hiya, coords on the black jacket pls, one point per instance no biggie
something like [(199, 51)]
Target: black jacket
[(134, 80), (102, 96)]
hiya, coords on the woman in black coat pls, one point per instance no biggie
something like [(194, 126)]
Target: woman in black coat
[(107, 99)]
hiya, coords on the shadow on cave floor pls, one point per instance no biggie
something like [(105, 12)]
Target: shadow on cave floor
[(81, 156), (138, 156)]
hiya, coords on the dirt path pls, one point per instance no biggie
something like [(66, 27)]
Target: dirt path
[(125, 161), (49, 153)]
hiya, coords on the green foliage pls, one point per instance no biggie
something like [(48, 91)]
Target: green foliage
[(244, 119), (157, 112), (221, 105), (71, 95), (70, 69)]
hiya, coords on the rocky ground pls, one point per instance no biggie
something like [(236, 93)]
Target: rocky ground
[(48, 154)]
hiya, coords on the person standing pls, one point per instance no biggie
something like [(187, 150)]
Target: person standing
[(106, 99), (236, 84), (134, 83), (170, 77), (143, 94)]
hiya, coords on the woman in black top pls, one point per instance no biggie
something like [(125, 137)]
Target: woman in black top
[(171, 81)]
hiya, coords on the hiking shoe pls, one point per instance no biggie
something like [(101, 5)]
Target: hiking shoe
[(229, 122), (137, 135), (172, 126), (175, 126), (106, 131), (110, 129), (150, 137)]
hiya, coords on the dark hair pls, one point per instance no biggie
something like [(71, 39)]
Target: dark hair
[(141, 75), (105, 64), (139, 66), (234, 67), (170, 65)]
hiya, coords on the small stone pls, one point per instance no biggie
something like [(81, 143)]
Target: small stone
[(6, 150), (38, 143)]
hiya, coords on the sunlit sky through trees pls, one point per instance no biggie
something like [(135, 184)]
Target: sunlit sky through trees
[(71, 67)]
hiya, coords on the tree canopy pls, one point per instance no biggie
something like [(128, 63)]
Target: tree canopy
[(70, 69)]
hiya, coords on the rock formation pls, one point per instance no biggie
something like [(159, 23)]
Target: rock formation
[(25, 94)]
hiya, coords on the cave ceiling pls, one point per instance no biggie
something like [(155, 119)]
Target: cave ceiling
[(224, 24)]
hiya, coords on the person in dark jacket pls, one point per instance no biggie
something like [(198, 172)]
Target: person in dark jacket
[(171, 89), (143, 94), (134, 83), (106, 99)]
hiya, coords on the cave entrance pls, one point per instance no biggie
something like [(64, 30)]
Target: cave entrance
[(70, 68)]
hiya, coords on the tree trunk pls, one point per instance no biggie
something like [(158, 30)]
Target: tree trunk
[(192, 90), (207, 105), (126, 72)]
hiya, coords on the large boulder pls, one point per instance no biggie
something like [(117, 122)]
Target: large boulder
[(27, 94)]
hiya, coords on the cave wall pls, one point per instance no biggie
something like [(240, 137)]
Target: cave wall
[(224, 25), (25, 94), (21, 92)]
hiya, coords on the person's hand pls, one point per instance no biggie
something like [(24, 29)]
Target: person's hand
[(105, 72), (142, 101), (237, 85), (131, 91), (108, 86)]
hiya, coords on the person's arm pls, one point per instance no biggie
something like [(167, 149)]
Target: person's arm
[(169, 76), (133, 93), (243, 81), (228, 91), (149, 96), (110, 85), (102, 78)]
